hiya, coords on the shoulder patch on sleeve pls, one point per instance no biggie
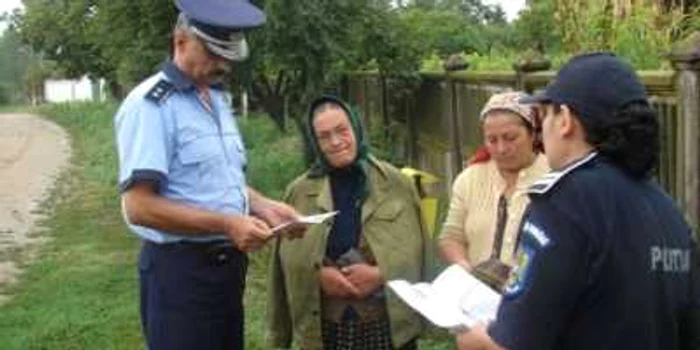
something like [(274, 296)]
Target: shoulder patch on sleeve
[(160, 91), (533, 240), (536, 233), (519, 275)]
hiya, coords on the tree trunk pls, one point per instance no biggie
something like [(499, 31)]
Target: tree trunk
[(271, 102), (115, 89)]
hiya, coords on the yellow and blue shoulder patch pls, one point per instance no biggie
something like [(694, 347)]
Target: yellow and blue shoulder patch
[(519, 274), (533, 240), (160, 91)]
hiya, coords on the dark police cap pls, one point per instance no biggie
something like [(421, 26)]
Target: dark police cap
[(225, 14), (595, 85), (219, 23)]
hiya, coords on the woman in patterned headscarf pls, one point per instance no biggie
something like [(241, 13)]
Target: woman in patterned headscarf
[(488, 198), (327, 290)]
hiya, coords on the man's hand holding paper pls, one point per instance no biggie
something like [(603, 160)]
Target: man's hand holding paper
[(301, 221), (275, 213)]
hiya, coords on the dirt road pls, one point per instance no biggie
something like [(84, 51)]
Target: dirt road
[(33, 151)]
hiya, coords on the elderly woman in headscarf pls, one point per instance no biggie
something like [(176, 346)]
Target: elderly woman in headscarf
[(328, 289), (488, 197)]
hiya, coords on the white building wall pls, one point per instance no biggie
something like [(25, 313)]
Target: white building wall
[(70, 90)]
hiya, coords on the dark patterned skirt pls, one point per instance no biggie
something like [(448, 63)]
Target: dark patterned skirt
[(360, 335)]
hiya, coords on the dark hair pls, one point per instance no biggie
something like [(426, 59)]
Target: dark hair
[(528, 126), (629, 139)]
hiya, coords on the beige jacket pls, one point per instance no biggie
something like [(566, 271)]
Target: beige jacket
[(472, 216)]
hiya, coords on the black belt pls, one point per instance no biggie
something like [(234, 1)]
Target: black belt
[(218, 244), (219, 251)]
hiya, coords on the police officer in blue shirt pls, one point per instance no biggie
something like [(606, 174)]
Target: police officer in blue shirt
[(605, 258), (184, 192)]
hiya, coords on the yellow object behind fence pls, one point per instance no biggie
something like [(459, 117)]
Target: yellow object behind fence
[(428, 203)]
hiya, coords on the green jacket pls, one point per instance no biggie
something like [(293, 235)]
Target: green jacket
[(392, 227)]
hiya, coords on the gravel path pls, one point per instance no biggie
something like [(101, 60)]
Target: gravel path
[(33, 151)]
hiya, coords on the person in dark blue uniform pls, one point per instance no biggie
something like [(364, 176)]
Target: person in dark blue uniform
[(605, 258), (184, 192)]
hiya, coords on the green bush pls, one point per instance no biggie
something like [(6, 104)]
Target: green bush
[(274, 158), (5, 97), (497, 59)]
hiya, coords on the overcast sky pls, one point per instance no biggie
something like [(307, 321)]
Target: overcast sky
[(9, 5), (511, 7)]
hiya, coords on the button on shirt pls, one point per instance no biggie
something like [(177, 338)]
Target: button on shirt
[(194, 154)]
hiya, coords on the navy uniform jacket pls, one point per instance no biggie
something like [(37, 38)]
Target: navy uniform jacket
[(604, 262)]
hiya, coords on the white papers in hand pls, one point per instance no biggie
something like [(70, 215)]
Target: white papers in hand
[(311, 220), (454, 300)]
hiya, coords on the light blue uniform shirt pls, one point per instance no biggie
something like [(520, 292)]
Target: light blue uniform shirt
[(166, 135)]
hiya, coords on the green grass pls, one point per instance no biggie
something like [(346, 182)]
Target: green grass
[(13, 108), (80, 289)]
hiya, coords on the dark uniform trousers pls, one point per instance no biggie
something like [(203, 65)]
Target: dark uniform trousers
[(192, 296)]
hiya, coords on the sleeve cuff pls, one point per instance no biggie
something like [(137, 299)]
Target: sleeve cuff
[(153, 176)]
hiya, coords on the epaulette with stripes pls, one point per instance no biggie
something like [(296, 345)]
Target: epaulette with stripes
[(160, 92), (547, 182)]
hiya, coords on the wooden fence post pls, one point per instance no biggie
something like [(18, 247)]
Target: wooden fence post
[(530, 62), (411, 123), (386, 121), (345, 88), (685, 57), (452, 64)]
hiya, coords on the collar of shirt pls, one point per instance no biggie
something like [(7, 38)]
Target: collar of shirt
[(179, 79), (548, 181), (177, 76)]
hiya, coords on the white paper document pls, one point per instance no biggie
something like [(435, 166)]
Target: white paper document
[(454, 300), (311, 220)]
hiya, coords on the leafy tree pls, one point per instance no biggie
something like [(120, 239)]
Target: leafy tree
[(14, 59), (37, 72), (132, 38), (307, 45), (454, 34), (452, 26), (472, 10), (536, 27), (121, 41), (303, 49), (59, 30)]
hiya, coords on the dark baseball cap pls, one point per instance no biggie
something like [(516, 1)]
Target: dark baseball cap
[(594, 85), (220, 24)]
